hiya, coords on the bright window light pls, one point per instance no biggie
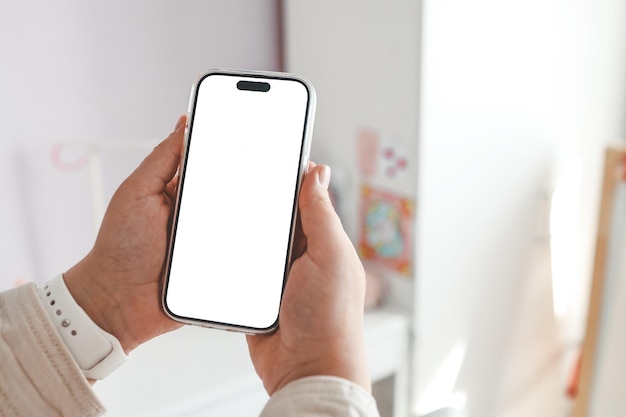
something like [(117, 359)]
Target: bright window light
[(564, 218), (440, 391)]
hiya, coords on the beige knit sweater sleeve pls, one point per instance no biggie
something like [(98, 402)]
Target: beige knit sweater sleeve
[(38, 376)]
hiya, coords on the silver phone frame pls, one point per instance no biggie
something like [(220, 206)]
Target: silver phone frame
[(304, 161)]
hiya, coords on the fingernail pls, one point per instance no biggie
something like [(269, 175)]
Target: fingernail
[(323, 176), (179, 123)]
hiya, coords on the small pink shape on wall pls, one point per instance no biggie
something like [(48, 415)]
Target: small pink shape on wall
[(393, 160), (367, 145), (19, 282)]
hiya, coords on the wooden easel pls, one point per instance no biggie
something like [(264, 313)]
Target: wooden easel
[(614, 170)]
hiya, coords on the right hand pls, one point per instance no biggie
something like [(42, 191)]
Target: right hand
[(321, 317)]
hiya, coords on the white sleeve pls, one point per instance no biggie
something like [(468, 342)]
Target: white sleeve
[(321, 396)]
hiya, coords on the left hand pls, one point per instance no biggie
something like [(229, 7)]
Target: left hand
[(118, 282)]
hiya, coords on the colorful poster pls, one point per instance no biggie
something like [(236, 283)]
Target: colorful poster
[(386, 221)]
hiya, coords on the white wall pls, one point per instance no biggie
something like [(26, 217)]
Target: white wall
[(362, 57), (501, 98), (510, 92), (100, 71)]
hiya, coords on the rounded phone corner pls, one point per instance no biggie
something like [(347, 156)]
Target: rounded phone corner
[(169, 313), (265, 330)]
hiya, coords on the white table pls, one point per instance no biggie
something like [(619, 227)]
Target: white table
[(200, 372)]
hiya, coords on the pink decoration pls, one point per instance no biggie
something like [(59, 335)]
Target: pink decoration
[(368, 143)]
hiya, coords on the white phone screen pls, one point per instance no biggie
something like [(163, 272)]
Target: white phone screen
[(237, 202)]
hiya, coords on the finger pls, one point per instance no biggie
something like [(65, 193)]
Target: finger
[(320, 224), (299, 244), (299, 240), (181, 122), (172, 188), (158, 169)]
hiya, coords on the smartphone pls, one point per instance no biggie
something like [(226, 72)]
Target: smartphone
[(246, 151)]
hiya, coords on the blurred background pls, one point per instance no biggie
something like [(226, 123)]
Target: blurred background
[(466, 141)]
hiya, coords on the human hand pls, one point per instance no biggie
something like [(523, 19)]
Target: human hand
[(118, 282), (321, 317)]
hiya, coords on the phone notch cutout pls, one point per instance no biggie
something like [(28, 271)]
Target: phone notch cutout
[(245, 85)]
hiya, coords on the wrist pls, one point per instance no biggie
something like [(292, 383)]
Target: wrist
[(100, 305), (97, 352), (348, 365)]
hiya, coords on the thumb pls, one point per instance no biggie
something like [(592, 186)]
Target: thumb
[(160, 166), (320, 224)]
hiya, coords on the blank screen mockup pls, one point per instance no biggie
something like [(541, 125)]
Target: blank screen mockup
[(237, 203)]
